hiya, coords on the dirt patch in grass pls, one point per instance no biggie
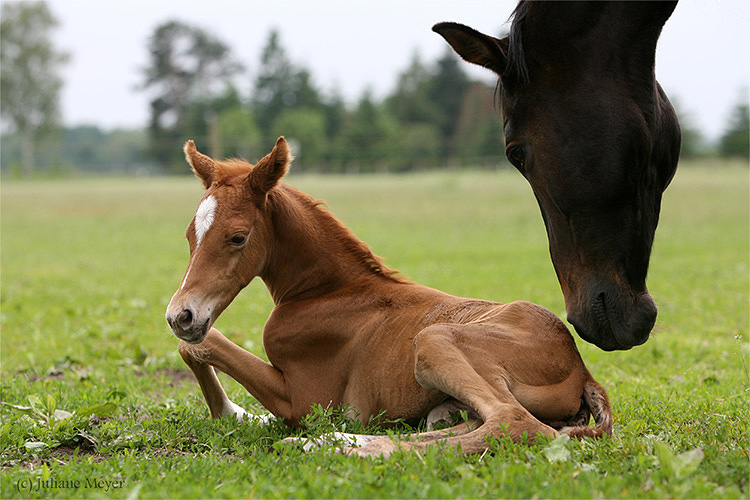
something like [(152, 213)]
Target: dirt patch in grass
[(61, 455), (66, 454), (177, 376)]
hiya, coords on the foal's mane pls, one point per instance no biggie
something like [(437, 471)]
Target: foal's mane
[(320, 219)]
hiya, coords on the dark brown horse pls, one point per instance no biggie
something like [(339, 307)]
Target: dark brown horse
[(592, 131)]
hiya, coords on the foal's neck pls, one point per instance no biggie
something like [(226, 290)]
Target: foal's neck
[(312, 252)]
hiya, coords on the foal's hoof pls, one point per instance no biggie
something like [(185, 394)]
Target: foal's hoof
[(230, 408), (341, 440), (382, 447)]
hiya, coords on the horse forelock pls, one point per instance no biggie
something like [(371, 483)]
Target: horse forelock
[(545, 31), (516, 67), (229, 170)]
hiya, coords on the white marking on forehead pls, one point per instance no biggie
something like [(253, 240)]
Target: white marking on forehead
[(204, 217)]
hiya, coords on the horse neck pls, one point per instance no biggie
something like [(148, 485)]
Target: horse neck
[(312, 253)]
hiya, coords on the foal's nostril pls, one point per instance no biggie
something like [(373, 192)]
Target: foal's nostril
[(185, 319)]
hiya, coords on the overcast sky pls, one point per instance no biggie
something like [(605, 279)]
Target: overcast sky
[(703, 57)]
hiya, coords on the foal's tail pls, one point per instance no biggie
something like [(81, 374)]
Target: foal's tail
[(596, 400)]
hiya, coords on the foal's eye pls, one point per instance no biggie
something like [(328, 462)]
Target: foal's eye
[(237, 240), (517, 156)]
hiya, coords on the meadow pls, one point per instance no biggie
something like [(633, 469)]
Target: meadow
[(96, 402)]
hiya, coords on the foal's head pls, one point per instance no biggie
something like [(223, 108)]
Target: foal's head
[(229, 237)]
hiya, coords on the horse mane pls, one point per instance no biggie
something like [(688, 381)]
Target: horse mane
[(516, 56), (283, 198)]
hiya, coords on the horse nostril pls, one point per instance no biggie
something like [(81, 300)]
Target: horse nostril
[(185, 319)]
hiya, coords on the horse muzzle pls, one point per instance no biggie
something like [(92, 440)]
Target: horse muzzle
[(188, 322), (613, 321)]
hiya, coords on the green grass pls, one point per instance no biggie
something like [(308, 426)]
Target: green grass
[(97, 403)]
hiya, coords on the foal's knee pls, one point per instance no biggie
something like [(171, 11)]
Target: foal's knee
[(193, 354), (431, 339), (431, 347)]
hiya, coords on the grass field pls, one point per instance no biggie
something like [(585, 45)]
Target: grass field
[(97, 403)]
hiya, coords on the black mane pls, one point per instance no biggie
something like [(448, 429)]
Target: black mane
[(516, 67)]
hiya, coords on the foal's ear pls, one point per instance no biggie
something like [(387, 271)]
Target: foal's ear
[(203, 167), (473, 46), (270, 169)]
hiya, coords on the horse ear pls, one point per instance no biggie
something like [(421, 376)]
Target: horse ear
[(473, 46), (270, 169), (203, 167)]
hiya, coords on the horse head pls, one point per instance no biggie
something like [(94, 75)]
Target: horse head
[(229, 237), (591, 130)]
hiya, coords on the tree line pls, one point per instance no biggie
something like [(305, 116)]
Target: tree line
[(435, 115), (191, 84)]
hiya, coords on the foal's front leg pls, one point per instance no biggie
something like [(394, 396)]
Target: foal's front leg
[(218, 403), (261, 379)]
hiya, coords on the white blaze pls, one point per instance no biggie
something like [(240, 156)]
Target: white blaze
[(204, 217), (187, 273)]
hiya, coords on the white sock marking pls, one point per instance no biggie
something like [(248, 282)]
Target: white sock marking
[(231, 408), (204, 217), (339, 439)]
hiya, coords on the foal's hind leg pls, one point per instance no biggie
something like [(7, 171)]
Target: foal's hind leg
[(464, 361)]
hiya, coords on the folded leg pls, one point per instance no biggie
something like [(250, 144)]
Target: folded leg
[(260, 378), (463, 361)]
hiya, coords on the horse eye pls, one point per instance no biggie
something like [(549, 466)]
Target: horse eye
[(517, 156), (238, 239)]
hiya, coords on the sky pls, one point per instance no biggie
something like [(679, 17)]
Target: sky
[(703, 56)]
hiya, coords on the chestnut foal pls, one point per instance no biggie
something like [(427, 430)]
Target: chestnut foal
[(345, 330)]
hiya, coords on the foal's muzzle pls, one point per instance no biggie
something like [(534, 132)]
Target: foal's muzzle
[(188, 322)]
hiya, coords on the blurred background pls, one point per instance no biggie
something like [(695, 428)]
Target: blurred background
[(117, 87)]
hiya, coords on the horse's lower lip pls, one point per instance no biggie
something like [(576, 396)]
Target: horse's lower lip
[(604, 342), (605, 329)]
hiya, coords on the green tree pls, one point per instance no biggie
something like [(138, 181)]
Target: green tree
[(280, 85), (367, 138), (736, 140), (186, 65), (447, 90), (693, 142), (479, 133), (30, 83), (201, 120), (410, 102), (427, 103), (305, 128), (416, 146), (239, 135), (335, 112)]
